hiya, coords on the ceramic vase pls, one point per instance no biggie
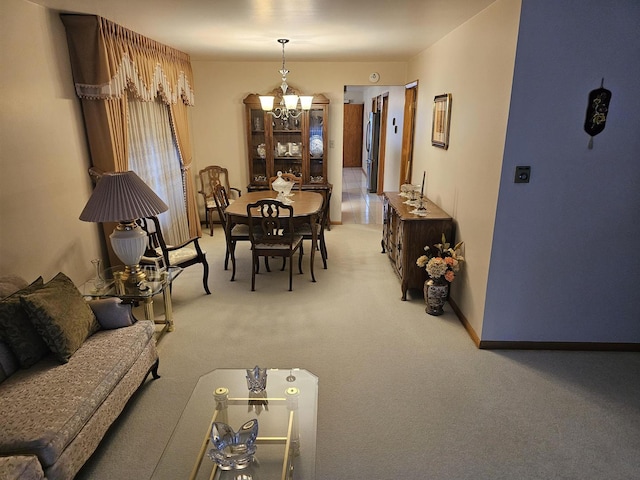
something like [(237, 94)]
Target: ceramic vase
[(436, 291)]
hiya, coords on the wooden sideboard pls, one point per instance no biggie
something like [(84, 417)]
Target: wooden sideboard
[(404, 236)]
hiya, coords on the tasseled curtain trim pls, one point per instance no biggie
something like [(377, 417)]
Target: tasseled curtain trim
[(128, 78)]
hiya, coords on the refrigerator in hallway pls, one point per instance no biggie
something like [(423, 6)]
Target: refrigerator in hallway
[(373, 149)]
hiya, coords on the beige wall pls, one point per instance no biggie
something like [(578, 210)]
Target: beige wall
[(218, 117), (44, 160), (477, 69)]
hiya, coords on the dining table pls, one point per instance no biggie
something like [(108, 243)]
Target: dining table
[(306, 209)]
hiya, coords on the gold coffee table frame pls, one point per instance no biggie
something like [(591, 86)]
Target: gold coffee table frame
[(220, 415)]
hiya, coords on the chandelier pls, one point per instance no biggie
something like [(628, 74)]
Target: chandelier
[(289, 103)]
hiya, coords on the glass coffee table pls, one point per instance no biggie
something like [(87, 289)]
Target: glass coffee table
[(286, 413)]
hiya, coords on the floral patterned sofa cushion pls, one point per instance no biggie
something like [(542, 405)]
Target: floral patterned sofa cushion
[(20, 467), (44, 407)]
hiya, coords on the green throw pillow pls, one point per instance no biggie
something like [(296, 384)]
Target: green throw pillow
[(61, 316), (17, 331), (11, 284)]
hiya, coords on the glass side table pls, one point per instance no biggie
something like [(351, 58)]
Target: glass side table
[(157, 281)]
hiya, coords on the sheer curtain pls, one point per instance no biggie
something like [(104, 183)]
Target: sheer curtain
[(153, 155)]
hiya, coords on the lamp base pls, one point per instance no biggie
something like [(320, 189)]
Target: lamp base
[(129, 243), (133, 275)]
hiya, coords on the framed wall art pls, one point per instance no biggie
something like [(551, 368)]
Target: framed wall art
[(441, 120)]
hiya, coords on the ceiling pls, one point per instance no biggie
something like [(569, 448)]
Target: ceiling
[(319, 30)]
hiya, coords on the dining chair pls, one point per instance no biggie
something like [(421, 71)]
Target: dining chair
[(210, 177), (233, 233), (271, 231), (306, 230), (184, 255)]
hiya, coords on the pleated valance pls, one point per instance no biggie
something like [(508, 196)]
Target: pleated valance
[(108, 59)]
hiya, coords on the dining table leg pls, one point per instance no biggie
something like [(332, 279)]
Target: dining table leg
[(314, 244)]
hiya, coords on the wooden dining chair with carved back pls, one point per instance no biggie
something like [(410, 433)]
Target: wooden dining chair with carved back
[(271, 231), (306, 230), (297, 185), (210, 177), (233, 233), (184, 255)]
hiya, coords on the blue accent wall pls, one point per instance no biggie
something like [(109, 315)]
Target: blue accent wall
[(565, 261)]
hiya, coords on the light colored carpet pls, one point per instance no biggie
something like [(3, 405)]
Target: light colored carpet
[(401, 394)]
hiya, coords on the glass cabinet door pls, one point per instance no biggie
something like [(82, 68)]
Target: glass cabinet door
[(296, 145), (287, 145), (258, 147), (317, 145)]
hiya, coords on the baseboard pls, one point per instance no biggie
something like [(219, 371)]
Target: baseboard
[(569, 346), (516, 345), (465, 323)]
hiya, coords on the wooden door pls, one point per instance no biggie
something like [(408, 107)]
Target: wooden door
[(406, 161), (352, 135)]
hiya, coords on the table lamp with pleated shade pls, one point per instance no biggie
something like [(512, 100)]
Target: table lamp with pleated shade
[(123, 197)]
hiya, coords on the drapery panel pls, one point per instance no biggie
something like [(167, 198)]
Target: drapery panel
[(106, 126), (107, 60), (180, 125)]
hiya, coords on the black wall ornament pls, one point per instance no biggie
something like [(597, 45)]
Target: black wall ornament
[(597, 110)]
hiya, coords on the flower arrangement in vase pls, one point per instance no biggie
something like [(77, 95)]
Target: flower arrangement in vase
[(441, 262)]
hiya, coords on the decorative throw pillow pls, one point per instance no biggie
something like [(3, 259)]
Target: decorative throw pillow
[(17, 331), (61, 316), (11, 284), (8, 362), (112, 313)]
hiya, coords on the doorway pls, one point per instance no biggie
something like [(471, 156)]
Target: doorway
[(358, 205), (388, 102)]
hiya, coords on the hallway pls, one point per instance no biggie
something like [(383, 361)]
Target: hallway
[(359, 206)]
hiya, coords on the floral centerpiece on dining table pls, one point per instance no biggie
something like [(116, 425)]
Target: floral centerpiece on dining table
[(442, 262)]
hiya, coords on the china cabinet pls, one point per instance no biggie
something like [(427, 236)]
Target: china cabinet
[(292, 145)]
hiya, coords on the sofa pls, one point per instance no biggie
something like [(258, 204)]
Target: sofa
[(68, 367)]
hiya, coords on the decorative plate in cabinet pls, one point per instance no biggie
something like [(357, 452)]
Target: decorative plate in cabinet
[(316, 146)]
